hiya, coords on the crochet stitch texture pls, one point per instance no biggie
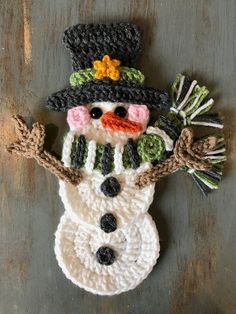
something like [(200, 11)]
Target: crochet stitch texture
[(106, 242), (89, 43)]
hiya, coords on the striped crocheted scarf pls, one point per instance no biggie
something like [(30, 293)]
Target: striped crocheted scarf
[(107, 158)]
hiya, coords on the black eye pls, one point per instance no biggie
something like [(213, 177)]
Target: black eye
[(96, 113), (120, 111)]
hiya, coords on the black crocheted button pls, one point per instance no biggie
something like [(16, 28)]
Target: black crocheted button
[(95, 113), (120, 111), (108, 223), (105, 255), (110, 187)]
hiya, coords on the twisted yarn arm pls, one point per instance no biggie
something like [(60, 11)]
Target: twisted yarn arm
[(186, 153), (30, 145)]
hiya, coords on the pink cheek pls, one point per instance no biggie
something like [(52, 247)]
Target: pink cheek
[(77, 117), (138, 113)]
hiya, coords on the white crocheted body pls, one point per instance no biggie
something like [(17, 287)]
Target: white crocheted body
[(87, 203), (136, 247), (79, 235)]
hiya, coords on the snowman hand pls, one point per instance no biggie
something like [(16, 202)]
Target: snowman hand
[(30, 145), (186, 154)]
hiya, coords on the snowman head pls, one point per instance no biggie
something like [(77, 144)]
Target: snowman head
[(107, 97), (112, 122)]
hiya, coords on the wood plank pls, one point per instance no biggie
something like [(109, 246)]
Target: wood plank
[(196, 271)]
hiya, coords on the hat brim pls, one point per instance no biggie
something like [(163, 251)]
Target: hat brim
[(108, 90)]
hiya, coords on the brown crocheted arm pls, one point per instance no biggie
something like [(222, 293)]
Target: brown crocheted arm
[(30, 145), (186, 153)]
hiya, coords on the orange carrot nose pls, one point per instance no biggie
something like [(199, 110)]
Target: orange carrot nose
[(111, 121)]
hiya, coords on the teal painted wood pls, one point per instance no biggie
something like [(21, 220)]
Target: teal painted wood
[(196, 270)]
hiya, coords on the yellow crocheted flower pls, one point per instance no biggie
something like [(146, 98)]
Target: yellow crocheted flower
[(106, 68)]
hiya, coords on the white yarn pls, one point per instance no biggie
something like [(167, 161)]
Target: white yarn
[(191, 170), (193, 84), (184, 117), (189, 109), (91, 156), (95, 131), (174, 110), (201, 108), (213, 125), (169, 144), (66, 150), (217, 151), (136, 249), (87, 203), (78, 237), (118, 160)]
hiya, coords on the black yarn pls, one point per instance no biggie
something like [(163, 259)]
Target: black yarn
[(163, 157), (105, 255), (213, 175), (88, 42), (96, 113), (108, 223), (120, 111), (80, 151), (108, 90), (73, 152), (168, 126), (186, 85), (133, 154), (209, 118), (203, 188), (106, 159), (110, 187)]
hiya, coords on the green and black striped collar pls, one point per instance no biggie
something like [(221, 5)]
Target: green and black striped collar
[(107, 158)]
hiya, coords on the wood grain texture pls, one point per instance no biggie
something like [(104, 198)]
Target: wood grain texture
[(196, 271)]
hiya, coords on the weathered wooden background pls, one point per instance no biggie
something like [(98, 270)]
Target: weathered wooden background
[(196, 271)]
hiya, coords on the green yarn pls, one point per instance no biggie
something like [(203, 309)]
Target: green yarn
[(125, 159), (174, 119), (81, 77), (196, 103), (73, 152), (86, 75), (172, 125), (211, 183), (112, 158), (200, 93), (131, 74), (98, 157), (174, 89), (150, 147)]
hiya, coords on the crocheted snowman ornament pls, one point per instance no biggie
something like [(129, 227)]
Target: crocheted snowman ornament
[(106, 241)]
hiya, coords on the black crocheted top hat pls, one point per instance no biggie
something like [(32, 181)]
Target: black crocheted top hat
[(104, 58)]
